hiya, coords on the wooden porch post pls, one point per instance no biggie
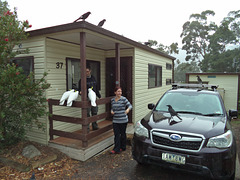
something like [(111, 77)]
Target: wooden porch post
[(83, 83), (117, 64)]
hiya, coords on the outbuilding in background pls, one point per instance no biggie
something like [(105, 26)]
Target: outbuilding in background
[(228, 86)]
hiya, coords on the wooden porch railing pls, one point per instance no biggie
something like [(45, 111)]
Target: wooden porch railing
[(84, 136)]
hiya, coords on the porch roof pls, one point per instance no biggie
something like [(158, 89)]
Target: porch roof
[(96, 37)]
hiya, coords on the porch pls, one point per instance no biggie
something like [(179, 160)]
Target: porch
[(74, 149), (81, 144)]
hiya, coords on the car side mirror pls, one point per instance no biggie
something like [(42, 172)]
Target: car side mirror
[(151, 106), (233, 113)]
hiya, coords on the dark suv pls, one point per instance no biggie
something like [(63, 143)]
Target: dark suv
[(188, 129)]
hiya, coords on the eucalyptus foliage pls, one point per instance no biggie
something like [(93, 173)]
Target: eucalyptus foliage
[(215, 47)]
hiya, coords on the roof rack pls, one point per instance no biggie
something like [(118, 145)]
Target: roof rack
[(195, 86)]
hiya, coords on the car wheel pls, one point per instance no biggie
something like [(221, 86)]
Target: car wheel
[(141, 163)]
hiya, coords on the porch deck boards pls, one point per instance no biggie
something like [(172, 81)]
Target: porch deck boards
[(73, 147)]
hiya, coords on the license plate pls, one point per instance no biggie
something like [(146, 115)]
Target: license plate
[(173, 158)]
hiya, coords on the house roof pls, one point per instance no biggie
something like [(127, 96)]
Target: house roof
[(96, 37)]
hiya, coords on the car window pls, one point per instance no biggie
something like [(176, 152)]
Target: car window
[(191, 102)]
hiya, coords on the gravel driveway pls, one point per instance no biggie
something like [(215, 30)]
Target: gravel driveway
[(122, 166)]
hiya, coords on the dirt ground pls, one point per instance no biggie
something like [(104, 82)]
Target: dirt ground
[(98, 167), (15, 168), (236, 130)]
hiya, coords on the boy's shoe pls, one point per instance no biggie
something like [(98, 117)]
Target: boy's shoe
[(94, 126)]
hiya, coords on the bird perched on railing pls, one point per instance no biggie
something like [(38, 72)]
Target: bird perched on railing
[(199, 79), (173, 112), (100, 24), (72, 97), (92, 97), (83, 17), (65, 96)]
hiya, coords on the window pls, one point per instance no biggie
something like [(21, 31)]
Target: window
[(74, 72), (154, 76), (168, 81), (168, 66), (26, 63)]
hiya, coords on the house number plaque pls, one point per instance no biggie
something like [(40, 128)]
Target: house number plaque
[(59, 65)]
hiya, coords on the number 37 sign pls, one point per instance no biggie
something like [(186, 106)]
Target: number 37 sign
[(59, 65)]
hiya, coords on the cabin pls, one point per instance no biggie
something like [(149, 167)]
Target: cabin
[(228, 86), (64, 51)]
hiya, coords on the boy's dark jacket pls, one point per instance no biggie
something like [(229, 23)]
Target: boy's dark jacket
[(91, 83)]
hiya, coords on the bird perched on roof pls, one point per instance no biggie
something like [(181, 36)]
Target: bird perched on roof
[(173, 112), (92, 97), (65, 96), (72, 97), (100, 24), (147, 43), (83, 17), (199, 79)]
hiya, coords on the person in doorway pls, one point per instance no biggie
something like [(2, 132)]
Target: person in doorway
[(120, 107), (91, 83)]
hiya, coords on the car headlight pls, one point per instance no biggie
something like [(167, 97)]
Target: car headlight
[(222, 141), (140, 130)]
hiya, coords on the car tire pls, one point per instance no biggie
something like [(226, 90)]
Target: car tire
[(141, 163)]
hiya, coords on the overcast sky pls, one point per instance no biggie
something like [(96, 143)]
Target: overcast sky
[(140, 20)]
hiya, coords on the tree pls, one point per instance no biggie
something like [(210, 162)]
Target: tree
[(183, 68), (22, 99), (210, 44), (227, 61), (173, 48), (221, 58), (222, 37), (12, 32), (195, 35), (233, 21)]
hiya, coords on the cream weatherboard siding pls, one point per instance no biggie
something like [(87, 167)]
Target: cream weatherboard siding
[(229, 83), (142, 95), (36, 48)]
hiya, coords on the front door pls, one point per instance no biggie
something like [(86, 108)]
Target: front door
[(125, 78)]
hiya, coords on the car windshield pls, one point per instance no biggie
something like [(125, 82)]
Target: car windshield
[(191, 102)]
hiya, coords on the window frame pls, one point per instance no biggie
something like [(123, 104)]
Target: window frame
[(168, 81), (168, 66), (157, 79), (24, 58), (92, 63)]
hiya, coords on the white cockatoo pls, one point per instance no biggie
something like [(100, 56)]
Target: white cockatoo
[(65, 96), (92, 97), (72, 97)]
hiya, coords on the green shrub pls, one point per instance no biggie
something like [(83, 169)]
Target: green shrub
[(22, 98), (22, 102)]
